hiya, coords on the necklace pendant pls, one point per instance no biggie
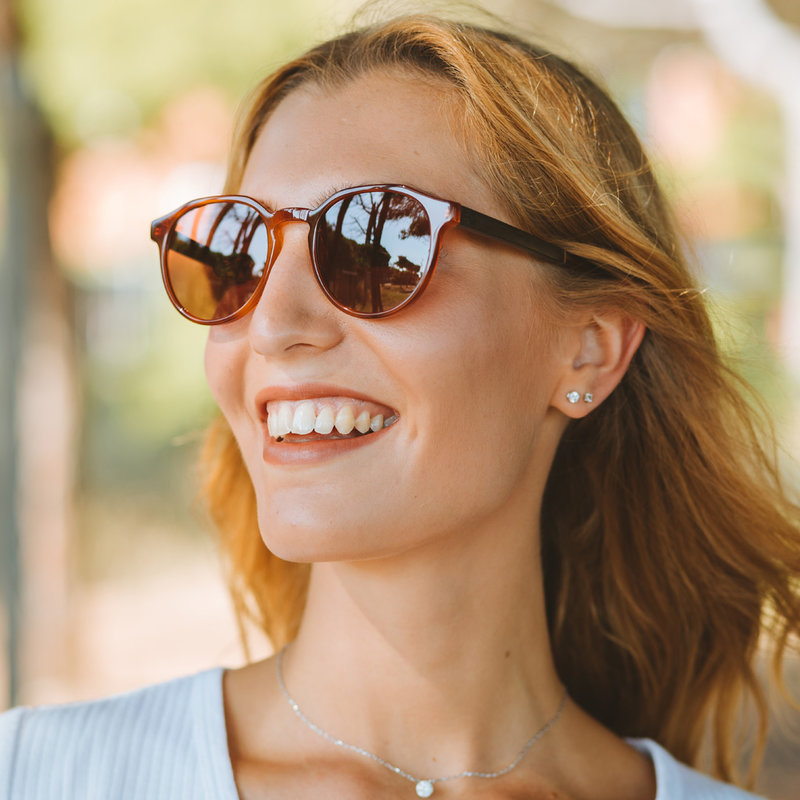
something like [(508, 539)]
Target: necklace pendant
[(424, 788)]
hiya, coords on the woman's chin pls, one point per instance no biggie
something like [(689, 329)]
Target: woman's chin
[(305, 542)]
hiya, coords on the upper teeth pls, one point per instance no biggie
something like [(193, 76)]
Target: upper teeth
[(322, 416)]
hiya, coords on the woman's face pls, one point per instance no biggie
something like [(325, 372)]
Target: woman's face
[(469, 370)]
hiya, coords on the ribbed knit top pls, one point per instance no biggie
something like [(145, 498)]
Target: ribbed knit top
[(168, 742)]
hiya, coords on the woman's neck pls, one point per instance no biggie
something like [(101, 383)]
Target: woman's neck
[(440, 660)]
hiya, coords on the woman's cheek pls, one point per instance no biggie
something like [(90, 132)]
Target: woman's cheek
[(224, 374)]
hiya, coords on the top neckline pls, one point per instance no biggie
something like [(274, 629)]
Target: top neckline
[(211, 739)]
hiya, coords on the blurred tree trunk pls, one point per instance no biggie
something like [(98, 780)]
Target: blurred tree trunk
[(37, 405), (754, 42), (12, 293)]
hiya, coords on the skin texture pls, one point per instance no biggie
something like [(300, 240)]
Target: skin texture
[(424, 637)]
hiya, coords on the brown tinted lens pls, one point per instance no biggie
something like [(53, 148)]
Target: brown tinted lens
[(373, 249), (215, 258)]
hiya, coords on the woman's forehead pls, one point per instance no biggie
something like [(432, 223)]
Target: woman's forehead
[(387, 126)]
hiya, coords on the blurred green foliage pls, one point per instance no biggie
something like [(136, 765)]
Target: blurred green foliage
[(104, 66)]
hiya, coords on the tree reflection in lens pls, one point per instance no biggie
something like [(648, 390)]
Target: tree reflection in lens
[(372, 248), (216, 256)]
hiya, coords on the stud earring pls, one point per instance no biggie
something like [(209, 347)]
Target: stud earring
[(588, 397), (573, 396)]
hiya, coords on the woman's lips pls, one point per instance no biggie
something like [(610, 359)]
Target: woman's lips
[(313, 447)]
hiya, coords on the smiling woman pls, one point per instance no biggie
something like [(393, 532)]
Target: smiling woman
[(481, 474)]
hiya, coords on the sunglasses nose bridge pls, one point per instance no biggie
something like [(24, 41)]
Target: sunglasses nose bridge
[(284, 215), (275, 224), (278, 219)]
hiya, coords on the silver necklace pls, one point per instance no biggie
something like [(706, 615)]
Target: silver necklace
[(424, 786)]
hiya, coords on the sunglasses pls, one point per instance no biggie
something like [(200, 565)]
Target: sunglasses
[(373, 248)]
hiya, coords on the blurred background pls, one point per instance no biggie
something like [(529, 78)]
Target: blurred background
[(116, 112)]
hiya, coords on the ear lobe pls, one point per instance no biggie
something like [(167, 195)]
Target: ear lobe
[(605, 347)]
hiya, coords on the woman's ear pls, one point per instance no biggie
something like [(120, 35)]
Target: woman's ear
[(600, 352)]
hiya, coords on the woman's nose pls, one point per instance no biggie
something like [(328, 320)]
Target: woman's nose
[(292, 313)]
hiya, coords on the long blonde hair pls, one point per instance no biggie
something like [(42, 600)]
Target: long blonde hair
[(669, 545)]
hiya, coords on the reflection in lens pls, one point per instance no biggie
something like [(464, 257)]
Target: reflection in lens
[(216, 255), (372, 249)]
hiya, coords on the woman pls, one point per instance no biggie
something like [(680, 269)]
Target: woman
[(479, 394)]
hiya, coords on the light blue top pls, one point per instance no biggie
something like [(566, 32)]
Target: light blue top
[(168, 742)]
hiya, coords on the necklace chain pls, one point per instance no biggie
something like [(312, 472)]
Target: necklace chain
[(424, 786)]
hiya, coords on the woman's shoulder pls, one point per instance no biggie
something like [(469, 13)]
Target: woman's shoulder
[(676, 781), (166, 740)]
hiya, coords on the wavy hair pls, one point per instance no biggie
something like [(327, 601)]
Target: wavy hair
[(669, 545)]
